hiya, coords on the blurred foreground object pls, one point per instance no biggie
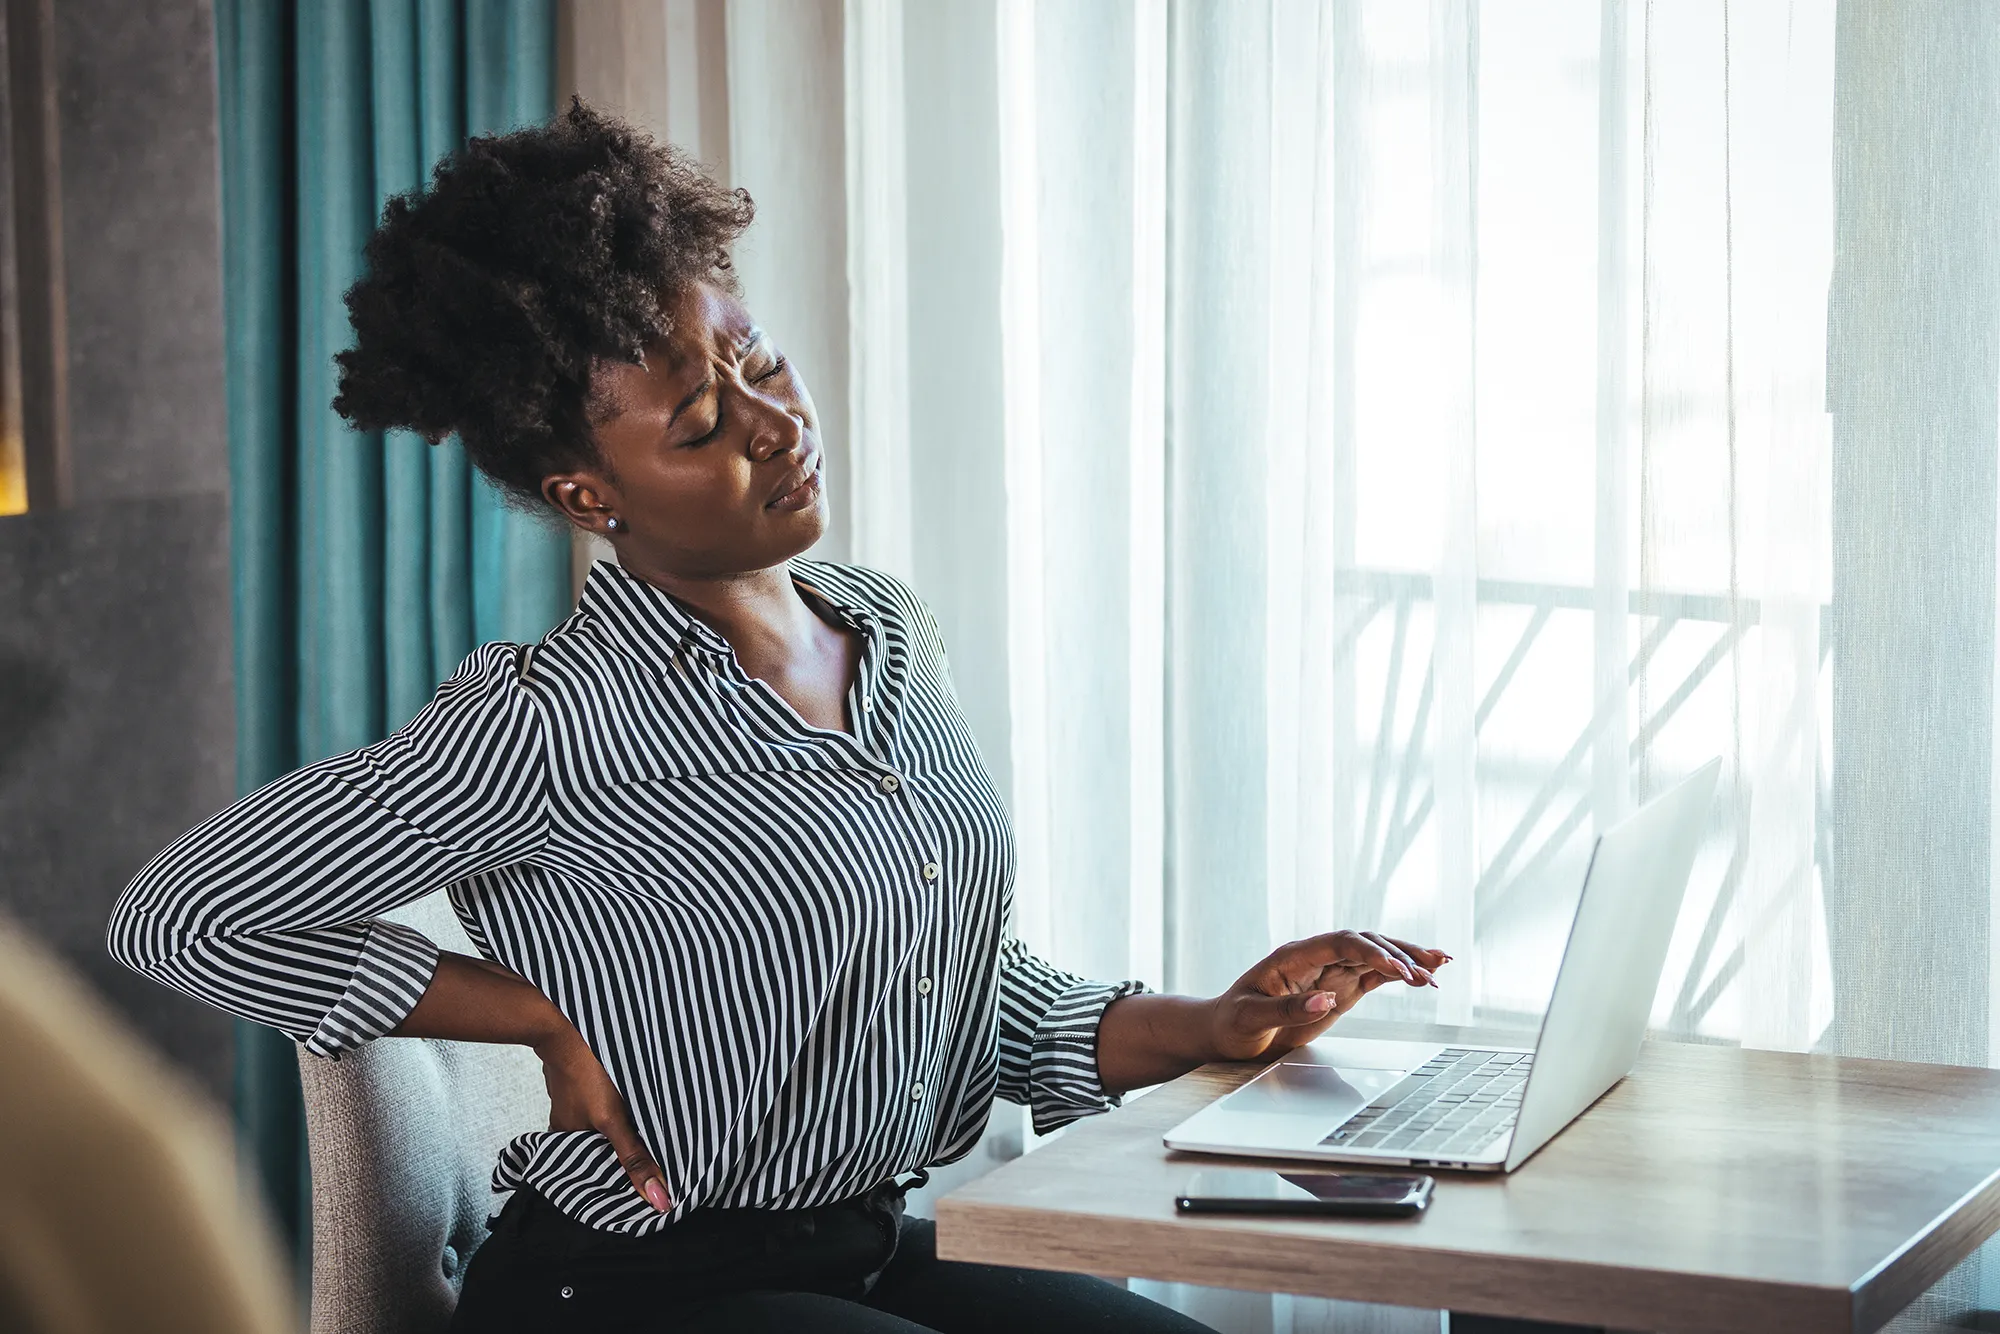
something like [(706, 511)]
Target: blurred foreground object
[(120, 1205)]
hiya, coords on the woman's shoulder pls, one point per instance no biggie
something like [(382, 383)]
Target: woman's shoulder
[(502, 665), (496, 668), (504, 674)]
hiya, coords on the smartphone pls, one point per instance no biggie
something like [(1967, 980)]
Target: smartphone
[(1353, 1194)]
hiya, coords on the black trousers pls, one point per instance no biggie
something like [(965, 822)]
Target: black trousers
[(855, 1267)]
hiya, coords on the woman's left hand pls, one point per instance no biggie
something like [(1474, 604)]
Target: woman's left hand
[(1295, 995)]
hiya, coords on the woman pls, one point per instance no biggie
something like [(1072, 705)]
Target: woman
[(724, 843)]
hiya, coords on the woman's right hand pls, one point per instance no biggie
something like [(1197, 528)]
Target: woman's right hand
[(471, 999), (582, 1097)]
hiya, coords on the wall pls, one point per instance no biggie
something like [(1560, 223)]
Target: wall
[(116, 723)]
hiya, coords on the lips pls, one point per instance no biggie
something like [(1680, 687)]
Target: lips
[(799, 487)]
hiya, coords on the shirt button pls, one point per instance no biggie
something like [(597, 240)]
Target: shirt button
[(569, 1292), (930, 870), (868, 704), (923, 986), (890, 783), (916, 1090)]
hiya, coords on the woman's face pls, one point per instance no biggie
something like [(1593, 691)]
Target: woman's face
[(712, 454)]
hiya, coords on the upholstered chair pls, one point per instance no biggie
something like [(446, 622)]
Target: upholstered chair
[(403, 1134)]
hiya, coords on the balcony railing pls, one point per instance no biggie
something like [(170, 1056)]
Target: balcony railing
[(1398, 800)]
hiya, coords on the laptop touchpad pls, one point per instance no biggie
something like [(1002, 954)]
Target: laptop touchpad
[(1318, 1091)]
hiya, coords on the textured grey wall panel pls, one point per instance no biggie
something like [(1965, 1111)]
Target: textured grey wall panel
[(116, 727), (142, 231)]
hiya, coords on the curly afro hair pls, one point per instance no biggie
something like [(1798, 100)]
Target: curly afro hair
[(531, 257)]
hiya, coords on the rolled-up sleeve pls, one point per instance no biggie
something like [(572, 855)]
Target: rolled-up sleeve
[(1048, 1037), (269, 909)]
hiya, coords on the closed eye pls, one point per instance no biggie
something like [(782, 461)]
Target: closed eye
[(757, 346), (709, 434), (715, 394)]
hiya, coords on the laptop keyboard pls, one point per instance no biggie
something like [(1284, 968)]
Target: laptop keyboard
[(1460, 1103)]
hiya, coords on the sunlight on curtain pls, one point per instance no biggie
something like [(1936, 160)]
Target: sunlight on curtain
[(1495, 488), (1082, 292)]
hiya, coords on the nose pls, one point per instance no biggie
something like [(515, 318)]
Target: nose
[(774, 429)]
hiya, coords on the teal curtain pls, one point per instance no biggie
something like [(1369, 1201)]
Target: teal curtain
[(365, 566)]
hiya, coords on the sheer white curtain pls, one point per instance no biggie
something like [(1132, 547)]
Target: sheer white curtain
[(1416, 453), (1358, 449)]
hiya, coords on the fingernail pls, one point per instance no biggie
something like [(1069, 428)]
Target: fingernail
[(1318, 1003), (656, 1195), (1408, 976)]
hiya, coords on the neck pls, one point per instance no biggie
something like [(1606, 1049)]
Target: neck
[(757, 610)]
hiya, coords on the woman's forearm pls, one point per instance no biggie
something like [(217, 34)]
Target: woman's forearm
[(1149, 1039), (472, 1000)]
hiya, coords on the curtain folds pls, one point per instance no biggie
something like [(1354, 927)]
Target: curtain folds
[(365, 567), (1462, 457)]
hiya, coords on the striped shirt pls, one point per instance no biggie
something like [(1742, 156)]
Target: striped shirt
[(789, 946)]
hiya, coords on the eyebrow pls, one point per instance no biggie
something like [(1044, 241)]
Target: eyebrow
[(744, 344), (693, 398)]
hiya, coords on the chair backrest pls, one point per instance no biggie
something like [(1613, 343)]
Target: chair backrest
[(403, 1134)]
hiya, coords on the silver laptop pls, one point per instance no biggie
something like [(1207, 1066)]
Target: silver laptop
[(1488, 1109)]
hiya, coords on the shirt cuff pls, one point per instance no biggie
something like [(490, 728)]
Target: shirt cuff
[(1063, 1081), (390, 976)]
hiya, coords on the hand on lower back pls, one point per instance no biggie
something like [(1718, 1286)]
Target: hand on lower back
[(582, 1097), (471, 999)]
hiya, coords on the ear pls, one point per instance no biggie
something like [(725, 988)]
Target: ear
[(586, 499)]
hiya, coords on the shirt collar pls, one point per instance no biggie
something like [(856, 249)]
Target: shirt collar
[(831, 591), (651, 622)]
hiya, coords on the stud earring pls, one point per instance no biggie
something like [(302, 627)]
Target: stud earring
[(612, 525)]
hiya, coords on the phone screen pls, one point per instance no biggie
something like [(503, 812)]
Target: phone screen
[(1282, 1187)]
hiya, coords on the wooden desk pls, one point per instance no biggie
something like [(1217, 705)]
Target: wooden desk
[(1713, 1190)]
